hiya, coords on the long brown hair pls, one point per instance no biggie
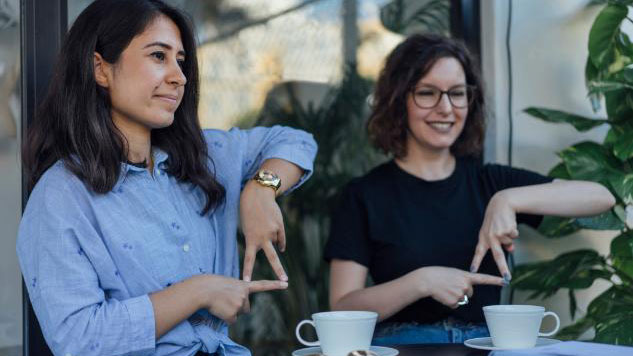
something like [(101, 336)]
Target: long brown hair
[(74, 123)]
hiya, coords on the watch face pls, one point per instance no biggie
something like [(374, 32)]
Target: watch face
[(269, 178)]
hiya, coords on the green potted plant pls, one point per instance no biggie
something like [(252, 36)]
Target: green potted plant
[(609, 79)]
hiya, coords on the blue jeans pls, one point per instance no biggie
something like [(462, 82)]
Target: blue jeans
[(443, 332)]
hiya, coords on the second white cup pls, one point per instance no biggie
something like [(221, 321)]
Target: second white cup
[(516, 326)]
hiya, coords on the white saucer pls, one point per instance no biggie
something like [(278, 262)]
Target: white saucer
[(381, 351), (485, 343)]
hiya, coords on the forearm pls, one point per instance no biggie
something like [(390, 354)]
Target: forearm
[(386, 299), (175, 304), (559, 198), (288, 172)]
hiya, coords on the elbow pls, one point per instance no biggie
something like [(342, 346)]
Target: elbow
[(607, 199)]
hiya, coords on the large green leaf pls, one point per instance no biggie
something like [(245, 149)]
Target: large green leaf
[(574, 270), (579, 122), (619, 105), (622, 186), (603, 34), (605, 221), (589, 161), (613, 313), (615, 299), (623, 146), (622, 253), (616, 329), (559, 171), (554, 226)]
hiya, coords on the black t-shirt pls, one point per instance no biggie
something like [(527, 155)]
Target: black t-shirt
[(393, 223)]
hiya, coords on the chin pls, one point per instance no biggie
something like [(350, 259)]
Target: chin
[(160, 124)]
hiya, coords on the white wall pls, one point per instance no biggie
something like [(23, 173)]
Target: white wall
[(549, 49)]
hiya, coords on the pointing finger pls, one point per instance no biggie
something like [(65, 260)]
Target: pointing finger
[(265, 286)]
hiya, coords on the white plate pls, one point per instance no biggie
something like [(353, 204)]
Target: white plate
[(485, 343), (381, 351)]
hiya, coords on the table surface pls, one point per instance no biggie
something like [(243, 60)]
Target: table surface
[(438, 350)]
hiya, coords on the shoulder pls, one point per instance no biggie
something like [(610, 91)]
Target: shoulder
[(216, 138), (58, 190), (377, 178), (503, 176), (58, 179)]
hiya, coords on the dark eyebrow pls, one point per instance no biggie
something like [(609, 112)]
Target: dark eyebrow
[(163, 45)]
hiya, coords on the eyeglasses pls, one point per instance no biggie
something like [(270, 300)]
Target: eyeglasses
[(427, 97)]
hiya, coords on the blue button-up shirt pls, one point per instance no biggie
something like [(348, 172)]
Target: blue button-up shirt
[(90, 260)]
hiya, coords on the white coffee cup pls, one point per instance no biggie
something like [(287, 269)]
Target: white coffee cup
[(516, 326), (340, 332)]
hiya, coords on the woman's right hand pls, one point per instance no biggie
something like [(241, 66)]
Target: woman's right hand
[(449, 285), (227, 297)]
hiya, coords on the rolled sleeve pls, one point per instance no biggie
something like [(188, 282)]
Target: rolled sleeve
[(141, 315), (292, 145)]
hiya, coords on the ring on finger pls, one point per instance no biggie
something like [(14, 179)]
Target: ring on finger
[(463, 301)]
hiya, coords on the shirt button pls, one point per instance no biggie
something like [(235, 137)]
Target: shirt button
[(185, 247)]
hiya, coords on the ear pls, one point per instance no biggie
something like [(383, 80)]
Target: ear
[(102, 71)]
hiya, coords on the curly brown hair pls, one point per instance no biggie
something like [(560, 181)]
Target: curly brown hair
[(405, 66)]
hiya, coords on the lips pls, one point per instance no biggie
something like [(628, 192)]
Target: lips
[(441, 126), (169, 98)]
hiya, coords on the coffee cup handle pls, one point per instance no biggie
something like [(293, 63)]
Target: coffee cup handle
[(555, 328), (301, 340)]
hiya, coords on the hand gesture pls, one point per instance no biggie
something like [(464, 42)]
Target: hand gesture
[(449, 285), (263, 228), (227, 297), (499, 229)]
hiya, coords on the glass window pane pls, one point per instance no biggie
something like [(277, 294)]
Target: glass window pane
[(10, 179)]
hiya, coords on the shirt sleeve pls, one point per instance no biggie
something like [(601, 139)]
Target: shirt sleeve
[(504, 177), (261, 143), (349, 238), (75, 316)]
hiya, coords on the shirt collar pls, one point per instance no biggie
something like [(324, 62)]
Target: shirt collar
[(159, 156)]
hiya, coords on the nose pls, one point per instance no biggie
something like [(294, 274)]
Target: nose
[(175, 76), (444, 106)]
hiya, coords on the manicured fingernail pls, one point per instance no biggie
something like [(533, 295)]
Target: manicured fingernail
[(283, 284), (284, 278), (473, 269), (507, 277), (247, 278)]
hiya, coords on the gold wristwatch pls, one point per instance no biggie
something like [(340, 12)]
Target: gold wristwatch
[(268, 179)]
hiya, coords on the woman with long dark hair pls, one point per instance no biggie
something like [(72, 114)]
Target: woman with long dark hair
[(128, 241), (422, 223)]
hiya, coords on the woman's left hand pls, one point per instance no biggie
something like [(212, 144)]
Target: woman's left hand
[(498, 231), (263, 228)]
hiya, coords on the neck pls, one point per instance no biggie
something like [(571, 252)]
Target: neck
[(138, 140), (426, 163)]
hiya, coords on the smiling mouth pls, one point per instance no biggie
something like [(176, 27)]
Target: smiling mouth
[(441, 126)]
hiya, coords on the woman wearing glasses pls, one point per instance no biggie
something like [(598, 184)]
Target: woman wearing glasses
[(422, 223)]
